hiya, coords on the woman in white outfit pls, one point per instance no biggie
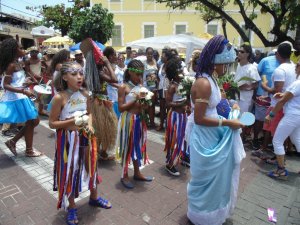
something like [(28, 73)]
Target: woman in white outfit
[(289, 125)]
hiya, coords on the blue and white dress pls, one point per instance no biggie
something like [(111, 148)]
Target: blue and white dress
[(16, 107), (215, 156)]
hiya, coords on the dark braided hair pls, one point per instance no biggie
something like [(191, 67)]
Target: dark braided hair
[(205, 63), (60, 57), (173, 67), (135, 64), (8, 53)]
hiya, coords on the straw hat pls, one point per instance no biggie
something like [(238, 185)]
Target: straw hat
[(89, 45), (77, 52), (32, 48), (51, 51)]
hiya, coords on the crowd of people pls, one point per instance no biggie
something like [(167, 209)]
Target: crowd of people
[(94, 90)]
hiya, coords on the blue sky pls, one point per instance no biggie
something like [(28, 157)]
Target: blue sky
[(19, 6)]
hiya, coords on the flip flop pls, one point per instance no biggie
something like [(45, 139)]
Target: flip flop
[(100, 202), (127, 184), (146, 179)]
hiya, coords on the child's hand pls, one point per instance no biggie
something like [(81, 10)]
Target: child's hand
[(28, 93), (236, 106), (268, 119)]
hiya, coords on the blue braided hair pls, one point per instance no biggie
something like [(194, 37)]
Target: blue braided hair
[(205, 63)]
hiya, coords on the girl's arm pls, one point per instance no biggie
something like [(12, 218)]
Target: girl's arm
[(54, 122), (201, 92), (121, 99), (107, 73)]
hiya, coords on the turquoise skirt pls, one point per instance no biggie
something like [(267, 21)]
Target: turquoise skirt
[(17, 111)]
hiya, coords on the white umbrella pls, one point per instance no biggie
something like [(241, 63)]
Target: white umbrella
[(42, 31), (182, 42)]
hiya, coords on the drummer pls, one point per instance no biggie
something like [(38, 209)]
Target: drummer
[(33, 68)]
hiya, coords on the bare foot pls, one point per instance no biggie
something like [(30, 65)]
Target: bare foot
[(11, 145)]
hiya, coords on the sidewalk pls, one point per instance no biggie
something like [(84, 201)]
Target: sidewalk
[(27, 198)]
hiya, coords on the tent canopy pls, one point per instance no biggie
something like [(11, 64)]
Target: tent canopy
[(182, 42), (58, 41), (42, 31)]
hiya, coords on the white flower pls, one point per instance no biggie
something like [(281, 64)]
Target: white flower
[(85, 119), (78, 121), (149, 95), (77, 113), (143, 90)]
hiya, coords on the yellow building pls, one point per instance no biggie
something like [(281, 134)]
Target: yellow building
[(136, 19)]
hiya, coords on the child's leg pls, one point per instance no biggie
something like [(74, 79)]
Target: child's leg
[(138, 175), (72, 212), (28, 129)]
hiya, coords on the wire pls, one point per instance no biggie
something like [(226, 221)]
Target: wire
[(20, 11)]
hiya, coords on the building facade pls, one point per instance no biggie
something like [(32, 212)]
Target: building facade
[(13, 26), (136, 19)]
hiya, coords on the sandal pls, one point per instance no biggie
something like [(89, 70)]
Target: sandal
[(72, 217), (100, 202), (32, 153), (280, 173), (11, 145)]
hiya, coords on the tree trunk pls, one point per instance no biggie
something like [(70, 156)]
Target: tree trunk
[(224, 27), (297, 33)]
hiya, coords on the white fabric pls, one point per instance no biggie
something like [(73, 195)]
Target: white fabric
[(283, 73), (18, 79), (76, 102), (250, 71), (292, 107), (112, 92), (288, 126)]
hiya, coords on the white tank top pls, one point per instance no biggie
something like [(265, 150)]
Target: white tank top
[(76, 102)]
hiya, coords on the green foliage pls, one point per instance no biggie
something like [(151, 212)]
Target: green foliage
[(285, 13), (96, 23), (59, 16)]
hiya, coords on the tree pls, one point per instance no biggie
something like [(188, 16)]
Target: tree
[(59, 16), (97, 23), (285, 14)]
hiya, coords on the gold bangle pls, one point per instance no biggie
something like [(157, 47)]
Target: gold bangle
[(201, 100)]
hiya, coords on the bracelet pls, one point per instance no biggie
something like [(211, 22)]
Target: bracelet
[(220, 122), (271, 114)]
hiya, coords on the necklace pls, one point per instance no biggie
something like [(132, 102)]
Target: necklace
[(70, 91), (131, 84)]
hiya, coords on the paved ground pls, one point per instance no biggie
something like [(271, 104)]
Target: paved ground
[(26, 196)]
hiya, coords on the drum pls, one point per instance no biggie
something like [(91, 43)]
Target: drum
[(43, 93)]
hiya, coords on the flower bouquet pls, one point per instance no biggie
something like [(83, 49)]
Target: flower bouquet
[(230, 87), (144, 97), (82, 121), (185, 86)]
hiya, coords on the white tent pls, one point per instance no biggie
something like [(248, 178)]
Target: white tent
[(182, 42), (42, 31)]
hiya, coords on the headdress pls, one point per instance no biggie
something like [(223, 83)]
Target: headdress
[(87, 45), (228, 55)]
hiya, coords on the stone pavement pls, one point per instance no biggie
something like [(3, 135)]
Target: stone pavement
[(26, 195)]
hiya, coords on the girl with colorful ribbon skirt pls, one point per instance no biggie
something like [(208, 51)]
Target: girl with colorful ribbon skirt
[(216, 148), (75, 163), (176, 118), (133, 101), (15, 104)]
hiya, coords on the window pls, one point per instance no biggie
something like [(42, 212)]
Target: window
[(148, 31), (115, 0), (180, 29), (247, 32), (117, 36), (212, 29)]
